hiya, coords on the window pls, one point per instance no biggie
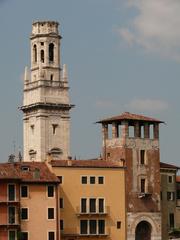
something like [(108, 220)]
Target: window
[(92, 205), (101, 205), (25, 168), (24, 213), (170, 179), (101, 226), (50, 213), (35, 53), (60, 179), (92, 180), (32, 129), (170, 196), (11, 192), (24, 235), (171, 220), (92, 226), (51, 52), (50, 190), (100, 180), (51, 77), (83, 205), (11, 215), (118, 224), (84, 179), (161, 195), (61, 224), (24, 191), (83, 226), (142, 157), (42, 43), (42, 56), (51, 236), (54, 127), (143, 181), (12, 235), (61, 203), (178, 194)]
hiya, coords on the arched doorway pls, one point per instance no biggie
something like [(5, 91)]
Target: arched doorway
[(143, 231)]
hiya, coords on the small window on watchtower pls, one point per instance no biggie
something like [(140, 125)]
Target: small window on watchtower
[(35, 53), (42, 56), (142, 157), (54, 128), (143, 182), (51, 52), (51, 77)]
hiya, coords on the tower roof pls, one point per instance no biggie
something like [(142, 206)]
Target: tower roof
[(131, 117)]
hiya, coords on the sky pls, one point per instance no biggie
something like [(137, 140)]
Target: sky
[(122, 55)]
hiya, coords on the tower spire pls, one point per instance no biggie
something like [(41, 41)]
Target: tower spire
[(46, 104)]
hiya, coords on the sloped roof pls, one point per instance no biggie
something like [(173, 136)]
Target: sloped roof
[(95, 163), (27, 172), (167, 165), (130, 116)]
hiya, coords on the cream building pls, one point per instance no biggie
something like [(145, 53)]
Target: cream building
[(92, 199)]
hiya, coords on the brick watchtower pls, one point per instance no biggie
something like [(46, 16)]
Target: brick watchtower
[(134, 139), (46, 103)]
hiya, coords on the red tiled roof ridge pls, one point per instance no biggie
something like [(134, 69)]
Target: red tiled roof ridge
[(130, 116), (167, 165), (96, 163)]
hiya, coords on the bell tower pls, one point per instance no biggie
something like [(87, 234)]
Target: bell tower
[(46, 105)]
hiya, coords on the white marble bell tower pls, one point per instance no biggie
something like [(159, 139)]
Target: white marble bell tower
[(46, 103)]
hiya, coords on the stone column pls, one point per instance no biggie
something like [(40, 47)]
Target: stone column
[(137, 130), (146, 130), (156, 131)]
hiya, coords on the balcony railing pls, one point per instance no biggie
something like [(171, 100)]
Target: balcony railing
[(144, 194), (7, 202), (75, 232), (97, 211)]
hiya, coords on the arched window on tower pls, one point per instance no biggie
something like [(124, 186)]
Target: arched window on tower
[(35, 53), (51, 52), (42, 56)]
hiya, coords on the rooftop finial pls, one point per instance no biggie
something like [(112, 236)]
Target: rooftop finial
[(26, 74), (65, 73)]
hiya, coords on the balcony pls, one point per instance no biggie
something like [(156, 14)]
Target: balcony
[(6, 202), (144, 194), (75, 232), (97, 212)]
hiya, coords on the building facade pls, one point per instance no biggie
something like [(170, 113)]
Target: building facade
[(46, 105), (28, 202), (92, 204), (168, 198)]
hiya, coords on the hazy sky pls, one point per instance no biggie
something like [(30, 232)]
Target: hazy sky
[(121, 55)]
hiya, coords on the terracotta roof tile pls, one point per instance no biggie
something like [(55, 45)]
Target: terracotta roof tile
[(167, 165), (95, 163), (27, 172), (129, 116)]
